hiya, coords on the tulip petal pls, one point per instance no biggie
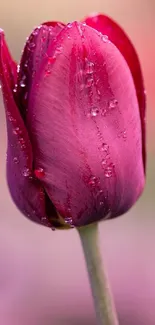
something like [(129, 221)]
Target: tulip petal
[(26, 192), (84, 125), (56, 24), (117, 36), (11, 66), (34, 51)]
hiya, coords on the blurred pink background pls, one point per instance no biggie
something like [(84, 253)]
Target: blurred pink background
[(43, 279)]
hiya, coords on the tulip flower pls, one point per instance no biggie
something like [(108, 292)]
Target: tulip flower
[(75, 112)]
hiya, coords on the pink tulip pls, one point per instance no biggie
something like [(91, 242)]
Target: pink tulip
[(75, 112)]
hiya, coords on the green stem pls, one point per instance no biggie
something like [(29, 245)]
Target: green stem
[(104, 306)]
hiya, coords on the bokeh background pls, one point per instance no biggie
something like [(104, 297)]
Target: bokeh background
[(43, 279)]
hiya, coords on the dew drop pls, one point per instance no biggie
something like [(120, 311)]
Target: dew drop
[(104, 111), (113, 103), (11, 119), (17, 131), (48, 68), (16, 160), (105, 38), (69, 221), (58, 50), (22, 143), (124, 135), (43, 219), (39, 173), (18, 68), (26, 64), (92, 181), (26, 172), (89, 82), (32, 45), (94, 111), (109, 171), (0, 86), (103, 163), (105, 148), (89, 66), (69, 25), (22, 83), (15, 88)]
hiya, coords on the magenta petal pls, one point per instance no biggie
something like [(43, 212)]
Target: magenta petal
[(34, 51), (117, 36), (10, 65), (54, 24), (84, 124), (26, 193)]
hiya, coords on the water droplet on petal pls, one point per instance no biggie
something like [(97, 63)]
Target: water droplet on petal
[(39, 173), (17, 131), (43, 219), (69, 221), (11, 119), (26, 64), (105, 38), (0, 86), (89, 82), (22, 143), (105, 147), (109, 171), (15, 88), (93, 181), (89, 66), (94, 111), (69, 25), (58, 50), (26, 172), (103, 163), (32, 45), (16, 160), (18, 68), (124, 135), (22, 84), (113, 103)]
